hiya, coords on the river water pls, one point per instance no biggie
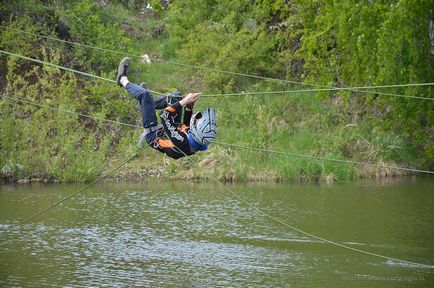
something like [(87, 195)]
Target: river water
[(169, 234)]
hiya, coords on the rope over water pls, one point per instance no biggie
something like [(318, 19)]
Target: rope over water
[(241, 199), (216, 180)]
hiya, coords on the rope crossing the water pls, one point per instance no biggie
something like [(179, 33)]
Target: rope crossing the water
[(325, 158), (69, 112), (233, 145), (326, 89), (247, 203), (215, 179)]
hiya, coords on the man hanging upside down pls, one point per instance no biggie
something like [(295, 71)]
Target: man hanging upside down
[(172, 137)]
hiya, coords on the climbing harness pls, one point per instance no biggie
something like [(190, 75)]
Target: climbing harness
[(146, 131)]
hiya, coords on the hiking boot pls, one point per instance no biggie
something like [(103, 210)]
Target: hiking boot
[(122, 69)]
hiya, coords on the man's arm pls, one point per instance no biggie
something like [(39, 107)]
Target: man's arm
[(188, 107), (188, 111)]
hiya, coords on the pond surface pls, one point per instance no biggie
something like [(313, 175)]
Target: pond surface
[(199, 235)]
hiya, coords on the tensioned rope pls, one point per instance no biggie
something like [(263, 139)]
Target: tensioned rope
[(215, 95), (233, 145), (324, 158), (291, 154), (157, 59), (69, 111), (127, 160), (326, 88), (64, 68), (232, 193)]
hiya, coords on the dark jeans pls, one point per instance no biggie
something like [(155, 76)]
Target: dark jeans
[(147, 103), (148, 106)]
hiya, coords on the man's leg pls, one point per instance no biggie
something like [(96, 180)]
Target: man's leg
[(143, 95), (146, 101)]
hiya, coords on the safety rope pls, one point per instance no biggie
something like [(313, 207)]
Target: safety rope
[(318, 158), (326, 88), (324, 158), (69, 111), (230, 94), (64, 68), (127, 160)]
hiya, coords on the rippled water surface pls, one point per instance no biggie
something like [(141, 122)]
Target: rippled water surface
[(199, 235)]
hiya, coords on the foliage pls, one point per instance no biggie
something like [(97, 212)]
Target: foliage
[(47, 143), (319, 43), (365, 43), (343, 44), (72, 153), (222, 35)]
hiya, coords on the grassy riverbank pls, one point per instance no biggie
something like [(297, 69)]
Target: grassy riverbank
[(42, 143)]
